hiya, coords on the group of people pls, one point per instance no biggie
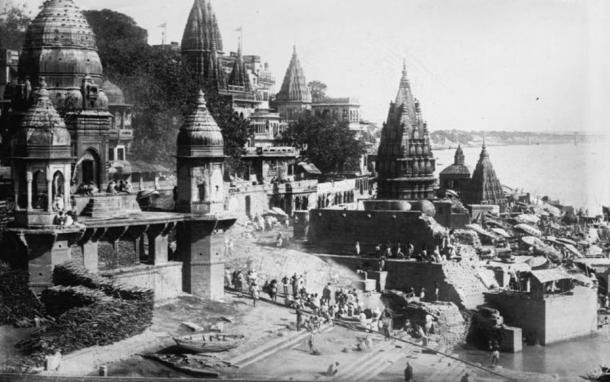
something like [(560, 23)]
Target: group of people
[(123, 185)]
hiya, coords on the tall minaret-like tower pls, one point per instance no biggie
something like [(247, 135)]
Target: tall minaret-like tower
[(200, 163), (200, 194)]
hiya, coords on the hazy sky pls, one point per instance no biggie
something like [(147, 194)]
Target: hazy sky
[(537, 65)]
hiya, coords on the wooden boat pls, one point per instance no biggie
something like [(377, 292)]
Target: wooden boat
[(190, 366), (209, 342)]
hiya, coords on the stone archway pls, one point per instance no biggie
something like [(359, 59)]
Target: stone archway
[(88, 169)]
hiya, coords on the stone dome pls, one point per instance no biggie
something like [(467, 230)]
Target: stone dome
[(114, 93), (60, 46), (199, 135), (42, 133)]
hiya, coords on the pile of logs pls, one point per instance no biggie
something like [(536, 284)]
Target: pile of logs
[(18, 305), (90, 310)]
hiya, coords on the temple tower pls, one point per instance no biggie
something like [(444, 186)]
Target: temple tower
[(405, 162), (41, 163), (456, 176), (202, 43), (294, 96), (200, 162), (239, 74), (60, 46), (485, 187), (200, 192)]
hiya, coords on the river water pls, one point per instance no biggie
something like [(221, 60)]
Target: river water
[(577, 175)]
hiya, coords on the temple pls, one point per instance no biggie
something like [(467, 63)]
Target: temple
[(405, 164), (294, 96), (485, 187), (456, 176), (67, 140)]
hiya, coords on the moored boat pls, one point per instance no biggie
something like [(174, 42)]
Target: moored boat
[(209, 342)]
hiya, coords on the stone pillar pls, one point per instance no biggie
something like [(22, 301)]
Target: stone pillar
[(29, 179), (157, 247), (16, 185), (49, 191), (90, 256), (203, 263)]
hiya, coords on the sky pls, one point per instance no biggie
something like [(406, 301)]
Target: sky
[(525, 65)]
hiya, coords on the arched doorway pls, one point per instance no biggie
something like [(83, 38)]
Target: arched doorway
[(39, 191), (58, 190), (88, 169)]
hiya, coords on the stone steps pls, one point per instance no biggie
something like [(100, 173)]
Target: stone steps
[(272, 347)]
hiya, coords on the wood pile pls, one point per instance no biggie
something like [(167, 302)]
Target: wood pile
[(91, 310), (59, 299), (18, 305)]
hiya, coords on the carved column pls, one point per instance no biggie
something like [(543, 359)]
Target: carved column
[(16, 185), (49, 190), (29, 179)]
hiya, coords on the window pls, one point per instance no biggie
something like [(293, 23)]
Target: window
[(120, 153), (110, 153)]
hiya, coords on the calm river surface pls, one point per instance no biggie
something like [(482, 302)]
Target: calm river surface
[(577, 175)]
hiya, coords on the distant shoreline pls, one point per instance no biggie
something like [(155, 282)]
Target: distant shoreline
[(491, 144)]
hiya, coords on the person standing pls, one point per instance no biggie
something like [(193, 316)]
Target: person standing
[(285, 285), (326, 293), (310, 343), (409, 373), (465, 378), (357, 248), (254, 291), (436, 291), (299, 319)]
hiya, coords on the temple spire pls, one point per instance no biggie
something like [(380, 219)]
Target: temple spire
[(294, 87)]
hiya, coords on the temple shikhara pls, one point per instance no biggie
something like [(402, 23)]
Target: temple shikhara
[(405, 163)]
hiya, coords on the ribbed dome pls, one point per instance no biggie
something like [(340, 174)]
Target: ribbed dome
[(42, 132), (294, 88), (458, 167), (60, 46), (200, 136), (201, 32), (114, 93)]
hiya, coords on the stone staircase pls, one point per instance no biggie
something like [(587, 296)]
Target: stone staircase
[(271, 347), (466, 283)]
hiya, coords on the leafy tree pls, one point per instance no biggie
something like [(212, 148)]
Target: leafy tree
[(317, 90), (161, 89), (329, 144), (13, 23), (121, 43)]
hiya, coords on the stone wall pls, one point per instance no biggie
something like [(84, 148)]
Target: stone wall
[(165, 280), (458, 283), (521, 311), (556, 318), (338, 230), (247, 201), (570, 316)]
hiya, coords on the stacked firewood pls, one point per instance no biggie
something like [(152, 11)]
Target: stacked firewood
[(90, 310), (18, 305)]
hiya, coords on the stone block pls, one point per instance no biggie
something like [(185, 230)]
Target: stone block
[(90, 256)]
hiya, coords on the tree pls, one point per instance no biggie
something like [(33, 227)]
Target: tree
[(161, 89), (13, 23), (121, 43), (329, 144), (317, 90)]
